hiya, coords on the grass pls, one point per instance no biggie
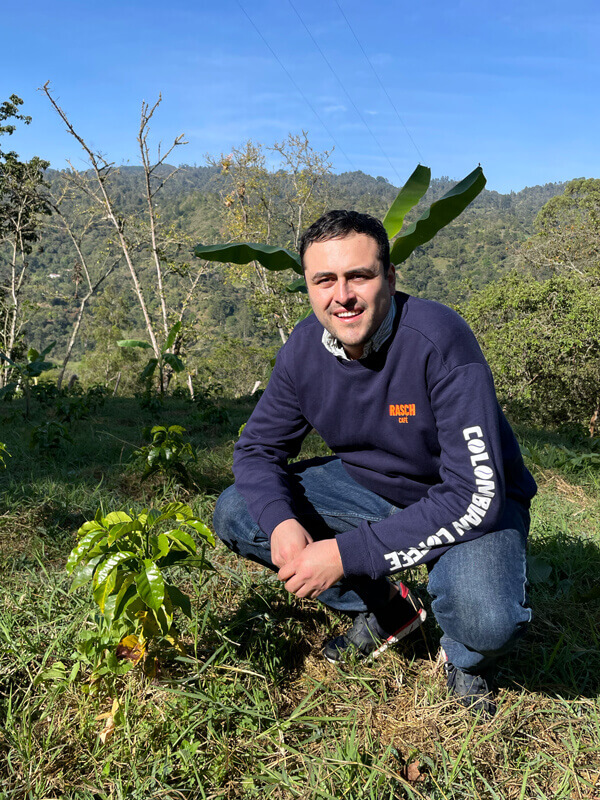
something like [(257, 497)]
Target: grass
[(252, 710)]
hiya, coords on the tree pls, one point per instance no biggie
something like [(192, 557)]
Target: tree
[(78, 223), (151, 254), (542, 341), (270, 206), (22, 203), (567, 239), (539, 327)]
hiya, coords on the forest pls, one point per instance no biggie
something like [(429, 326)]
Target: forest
[(138, 657)]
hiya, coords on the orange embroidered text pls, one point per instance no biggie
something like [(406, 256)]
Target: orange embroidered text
[(402, 411)]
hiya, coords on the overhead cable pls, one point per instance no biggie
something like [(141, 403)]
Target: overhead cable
[(379, 81), (298, 89), (363, 120)]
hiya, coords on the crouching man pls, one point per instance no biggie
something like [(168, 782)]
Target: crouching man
[(426, 469)]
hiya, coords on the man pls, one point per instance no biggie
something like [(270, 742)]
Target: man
[(427, 469)]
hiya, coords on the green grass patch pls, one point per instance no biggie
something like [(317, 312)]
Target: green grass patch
[(251, 710)]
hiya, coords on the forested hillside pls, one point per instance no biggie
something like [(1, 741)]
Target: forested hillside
[(470, 253)]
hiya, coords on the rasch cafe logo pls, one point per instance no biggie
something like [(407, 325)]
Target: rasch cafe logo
[(402, 411)]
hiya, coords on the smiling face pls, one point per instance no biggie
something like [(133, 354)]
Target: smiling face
[(347, 288)]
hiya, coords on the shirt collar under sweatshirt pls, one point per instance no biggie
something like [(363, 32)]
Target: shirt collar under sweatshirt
[(379, 338)]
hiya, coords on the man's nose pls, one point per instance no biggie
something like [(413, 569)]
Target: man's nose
[(343, 292)]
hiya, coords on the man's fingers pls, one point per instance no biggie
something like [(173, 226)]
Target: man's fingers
[(286, 571)]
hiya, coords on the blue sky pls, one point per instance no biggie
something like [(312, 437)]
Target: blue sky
[(512, 85)]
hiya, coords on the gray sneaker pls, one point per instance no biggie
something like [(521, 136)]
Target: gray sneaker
[(366, 639), (474, 692)]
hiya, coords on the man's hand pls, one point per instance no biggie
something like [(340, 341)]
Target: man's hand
[(288, 540), (315, 569)]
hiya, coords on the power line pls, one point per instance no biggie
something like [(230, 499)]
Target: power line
[(298, 89), (363, 120), (379, 81)]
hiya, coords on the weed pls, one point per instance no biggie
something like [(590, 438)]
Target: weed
[(3, 453)]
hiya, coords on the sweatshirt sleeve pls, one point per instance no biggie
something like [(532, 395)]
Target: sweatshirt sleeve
[(273, 434), (467, 502)]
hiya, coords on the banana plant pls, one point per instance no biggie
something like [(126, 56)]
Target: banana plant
[(126, 556), (436, 217), (158, 361)]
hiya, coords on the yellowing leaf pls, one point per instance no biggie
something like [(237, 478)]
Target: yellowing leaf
[(131, 648), (111, 718)]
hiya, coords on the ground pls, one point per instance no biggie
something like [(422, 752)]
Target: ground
[(251, 709)]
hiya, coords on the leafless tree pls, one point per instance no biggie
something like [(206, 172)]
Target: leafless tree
[(135, 238)]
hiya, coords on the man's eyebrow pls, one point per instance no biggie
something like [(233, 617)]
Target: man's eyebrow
[(355, 271)]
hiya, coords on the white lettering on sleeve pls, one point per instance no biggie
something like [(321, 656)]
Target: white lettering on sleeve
[(476, 510)]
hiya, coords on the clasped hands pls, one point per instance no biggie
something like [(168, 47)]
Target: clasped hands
[(306, 567)]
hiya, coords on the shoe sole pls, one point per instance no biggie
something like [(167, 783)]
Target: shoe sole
[(396, 637)]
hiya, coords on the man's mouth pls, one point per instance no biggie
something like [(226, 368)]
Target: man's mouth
[(348, 314)]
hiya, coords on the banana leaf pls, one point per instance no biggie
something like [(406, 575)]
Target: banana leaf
[(270, 256), (134, 343), (172, 336), (408, 196), (298, 285), (438, 215)]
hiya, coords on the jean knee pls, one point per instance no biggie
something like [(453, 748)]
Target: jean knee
[(229, 509), (488, 629)]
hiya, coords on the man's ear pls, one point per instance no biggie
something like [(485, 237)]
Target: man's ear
[(391, 276)]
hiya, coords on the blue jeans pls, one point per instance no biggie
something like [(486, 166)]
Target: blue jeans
[(479, 587)]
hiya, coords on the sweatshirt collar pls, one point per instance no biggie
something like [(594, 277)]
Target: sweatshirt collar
[(372, 345)]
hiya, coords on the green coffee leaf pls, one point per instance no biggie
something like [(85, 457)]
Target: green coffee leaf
[(116, 516), (111, 562), (160, 545), (85, 544), (204, 531), (84, 573), (179, 599), (182, 539), (103, 590), (151, 585)]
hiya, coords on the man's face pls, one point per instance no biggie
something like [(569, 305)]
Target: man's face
[(347, 289)]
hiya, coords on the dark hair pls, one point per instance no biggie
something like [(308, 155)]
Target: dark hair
[(338, 224)]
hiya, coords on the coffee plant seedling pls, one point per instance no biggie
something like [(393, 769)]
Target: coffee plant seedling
[(45, 392), (166, 453), (161, 359), (96, 395), (69, 409), (26, 372), (50, 436), (126, 558)]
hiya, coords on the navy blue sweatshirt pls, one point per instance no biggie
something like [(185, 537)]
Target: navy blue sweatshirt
[(418, 423)]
